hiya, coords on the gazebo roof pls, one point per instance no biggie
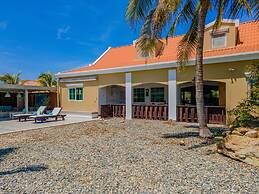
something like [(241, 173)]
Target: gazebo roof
[(9, 87)]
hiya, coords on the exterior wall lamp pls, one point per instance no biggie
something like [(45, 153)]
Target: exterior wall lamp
[(7, 95)]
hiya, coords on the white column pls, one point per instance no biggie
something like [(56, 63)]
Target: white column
[(26, 99), (128, 85), (172, 95)]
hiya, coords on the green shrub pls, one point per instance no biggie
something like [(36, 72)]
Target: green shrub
[(247, 110), (243, 113)]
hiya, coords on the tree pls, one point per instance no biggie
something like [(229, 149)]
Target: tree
[(10, 78), (155, 17), (47, 79)]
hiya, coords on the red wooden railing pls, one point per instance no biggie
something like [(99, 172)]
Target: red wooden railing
[(113, 110), (213, 114), (153, 112)]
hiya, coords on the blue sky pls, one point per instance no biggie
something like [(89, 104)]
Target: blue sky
[(56, 35)]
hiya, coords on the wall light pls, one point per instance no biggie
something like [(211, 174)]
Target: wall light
[(7, 95)]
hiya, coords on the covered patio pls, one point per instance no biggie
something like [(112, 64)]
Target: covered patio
[(163, 101), (18, 98)]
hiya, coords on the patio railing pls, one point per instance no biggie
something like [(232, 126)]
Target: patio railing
[(213, 114), (153, 112)]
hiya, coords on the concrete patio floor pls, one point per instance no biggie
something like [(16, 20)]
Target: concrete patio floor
[(14, 126)]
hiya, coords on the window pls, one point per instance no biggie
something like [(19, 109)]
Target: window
[(219, 40), (157, 95), (139, 94), (75, 94), (211, 95)]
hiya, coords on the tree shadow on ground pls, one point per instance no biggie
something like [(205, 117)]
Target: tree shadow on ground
[(27, 169), (217, 132), (32, 168), (6, 151), (204, 143), (180, 135)]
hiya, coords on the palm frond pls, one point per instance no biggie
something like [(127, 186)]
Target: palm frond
[(237, 8), (183, 16), (47, 79), (146, 43), (220, 6), (10, 78), (137, 10), (188, 43), (163, 14)]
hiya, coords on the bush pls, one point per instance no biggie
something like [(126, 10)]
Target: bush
[(247, 110), (243, 113)]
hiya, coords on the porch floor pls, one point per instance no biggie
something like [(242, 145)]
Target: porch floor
[(14, 126)]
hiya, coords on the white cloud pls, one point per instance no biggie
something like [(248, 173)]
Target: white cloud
[(62, 32), (3, 25)]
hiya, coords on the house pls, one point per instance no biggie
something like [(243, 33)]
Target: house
[(121, 83)]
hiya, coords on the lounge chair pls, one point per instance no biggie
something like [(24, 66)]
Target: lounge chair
[(25, 116), (56, 113)]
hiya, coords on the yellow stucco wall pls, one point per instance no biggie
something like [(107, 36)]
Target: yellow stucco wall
[(111, 79), (151, 76), (89, 102), (231, 75)]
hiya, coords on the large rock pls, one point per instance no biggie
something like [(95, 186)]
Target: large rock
[(252, 134), (243, 147)]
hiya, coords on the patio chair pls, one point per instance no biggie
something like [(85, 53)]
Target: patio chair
[(56, 113), (25, 116)]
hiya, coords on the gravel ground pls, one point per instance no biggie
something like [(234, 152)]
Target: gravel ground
[(115, 156)]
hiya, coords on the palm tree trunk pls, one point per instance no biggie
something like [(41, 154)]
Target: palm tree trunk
[(204, 131)]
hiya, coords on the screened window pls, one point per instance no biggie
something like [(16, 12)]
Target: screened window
[(157, 95), (219, 40), (139, 94), (75, 94)]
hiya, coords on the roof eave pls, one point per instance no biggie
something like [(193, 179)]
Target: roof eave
[(161, 65)]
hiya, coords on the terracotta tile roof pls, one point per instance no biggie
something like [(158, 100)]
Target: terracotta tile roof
[(30, 83), (126, 56)]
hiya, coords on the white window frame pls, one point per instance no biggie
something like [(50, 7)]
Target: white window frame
[(220, 34), (75, 100)]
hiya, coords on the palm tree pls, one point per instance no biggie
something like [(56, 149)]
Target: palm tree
[(155, 17), (47, 79), (10, 78)]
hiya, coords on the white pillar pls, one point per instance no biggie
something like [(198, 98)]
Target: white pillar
[(26, 103), (128, 85), (172, 94)]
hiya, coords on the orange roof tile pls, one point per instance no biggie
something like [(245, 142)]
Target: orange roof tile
[(30, 83), (126, 56)]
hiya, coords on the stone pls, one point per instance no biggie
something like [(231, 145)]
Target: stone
[(242, 130), (243, 148), (225, 133), (252, 134), (196, 191), (235, 132), (182, 143)]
